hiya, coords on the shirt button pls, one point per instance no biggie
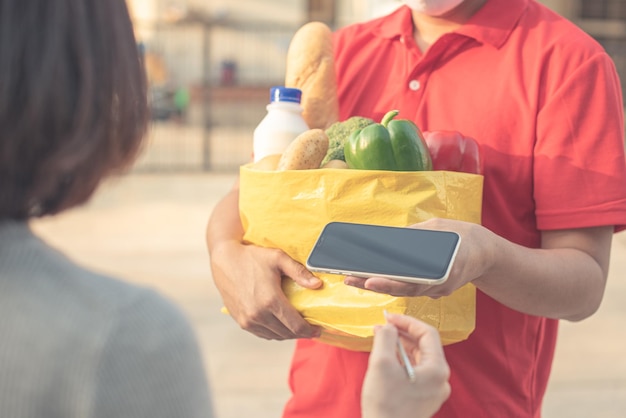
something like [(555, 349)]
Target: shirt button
[(414, 85)]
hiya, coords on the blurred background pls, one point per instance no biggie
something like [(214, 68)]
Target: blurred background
[(210, 64)]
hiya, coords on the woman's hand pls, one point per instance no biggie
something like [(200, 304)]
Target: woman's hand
[(387, 390)]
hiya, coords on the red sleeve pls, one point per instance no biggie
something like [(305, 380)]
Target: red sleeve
[(579, 153)]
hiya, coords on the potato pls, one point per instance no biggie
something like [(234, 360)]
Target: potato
[(335, 164), (267, 163), (305, 152)]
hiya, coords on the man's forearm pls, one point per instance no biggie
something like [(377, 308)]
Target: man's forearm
[(225, 223), (565, 282)]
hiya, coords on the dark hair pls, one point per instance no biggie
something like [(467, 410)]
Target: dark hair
[(73, 102)]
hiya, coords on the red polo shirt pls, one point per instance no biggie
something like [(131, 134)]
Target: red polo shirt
[(543, 99)]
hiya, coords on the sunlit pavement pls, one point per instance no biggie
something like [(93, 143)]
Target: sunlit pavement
[(149, 229)]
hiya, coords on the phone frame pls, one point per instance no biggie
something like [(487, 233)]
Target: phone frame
[(359, 273)]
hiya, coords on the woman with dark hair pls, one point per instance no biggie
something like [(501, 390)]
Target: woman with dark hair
[(73, 110)]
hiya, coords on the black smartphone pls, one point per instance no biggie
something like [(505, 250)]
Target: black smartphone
[(405, 254)]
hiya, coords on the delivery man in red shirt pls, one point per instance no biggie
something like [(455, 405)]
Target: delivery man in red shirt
[(544, 101)]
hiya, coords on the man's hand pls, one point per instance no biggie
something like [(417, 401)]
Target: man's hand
[(474, 258), (249, 280), (564, 279)]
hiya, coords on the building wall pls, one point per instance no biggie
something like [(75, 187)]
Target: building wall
[(566, 8), (192, 40)]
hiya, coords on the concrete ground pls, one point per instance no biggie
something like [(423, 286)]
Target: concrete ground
[(149, 229)]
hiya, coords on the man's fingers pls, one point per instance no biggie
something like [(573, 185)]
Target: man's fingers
[(394, 287), (288, 322), (282, 326), (276, 330), (297, 272), (297, 326)]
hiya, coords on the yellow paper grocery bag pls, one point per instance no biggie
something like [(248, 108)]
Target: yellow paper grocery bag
[(288, 209)]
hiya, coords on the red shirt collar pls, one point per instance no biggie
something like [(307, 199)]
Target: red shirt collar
[(492, 24)]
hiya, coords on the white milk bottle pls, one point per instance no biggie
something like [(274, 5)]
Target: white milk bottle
[(282, 124)]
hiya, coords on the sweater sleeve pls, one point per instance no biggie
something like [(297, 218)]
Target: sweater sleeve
[(151, 365)]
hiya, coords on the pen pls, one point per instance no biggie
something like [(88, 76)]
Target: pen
[(410, 371)]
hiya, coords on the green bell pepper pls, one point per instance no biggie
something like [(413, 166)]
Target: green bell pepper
[(396, 145)]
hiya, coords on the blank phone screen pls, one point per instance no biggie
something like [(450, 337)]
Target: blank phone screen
[(382, 250)]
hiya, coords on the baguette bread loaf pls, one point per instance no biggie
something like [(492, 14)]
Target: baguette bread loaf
[(311, 68)]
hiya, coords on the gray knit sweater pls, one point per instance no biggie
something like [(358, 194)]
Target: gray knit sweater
[(74, 343)]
